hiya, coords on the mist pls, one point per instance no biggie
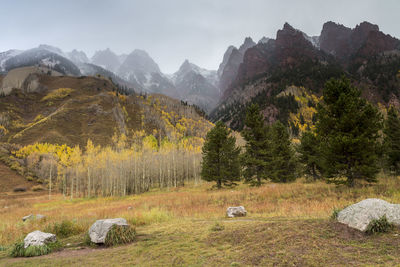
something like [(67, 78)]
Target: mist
[(172, 31)]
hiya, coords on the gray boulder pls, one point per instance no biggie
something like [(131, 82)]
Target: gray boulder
[(38, 238), (98, 231), (359, 215), (236, 212)]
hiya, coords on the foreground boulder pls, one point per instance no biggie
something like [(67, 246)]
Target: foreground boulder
[(98, 231), (236, 212), (38, 238), (359, 215)]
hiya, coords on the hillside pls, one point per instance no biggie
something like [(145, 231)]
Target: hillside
[(370, 58), (70, 110)]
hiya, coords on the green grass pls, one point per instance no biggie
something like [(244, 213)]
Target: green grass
[(255, 242), (118, 235), (380, 225), (65, 228), (18, 249)]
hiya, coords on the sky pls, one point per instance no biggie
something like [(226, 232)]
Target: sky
[(174, 30)]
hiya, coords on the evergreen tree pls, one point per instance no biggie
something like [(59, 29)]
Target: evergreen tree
[(348, 129), (309, 155), (220, 156), (256, 158), (283, 164), (392, 140)]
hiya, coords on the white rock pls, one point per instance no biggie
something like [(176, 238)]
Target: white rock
[(40, 216), (98, 231), (38, 238), (359, 215), (236, 212)]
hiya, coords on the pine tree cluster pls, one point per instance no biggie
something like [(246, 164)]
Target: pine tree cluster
[(350, 143)]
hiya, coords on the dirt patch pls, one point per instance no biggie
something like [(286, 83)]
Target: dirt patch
[(10, 179)]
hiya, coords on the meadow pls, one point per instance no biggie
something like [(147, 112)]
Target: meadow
[(287, 224)]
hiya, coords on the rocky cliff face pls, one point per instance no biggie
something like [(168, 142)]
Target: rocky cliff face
[(370, 57), (347, 44), (197, 86), (230, 65)]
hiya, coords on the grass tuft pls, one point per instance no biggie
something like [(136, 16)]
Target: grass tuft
[(65, 229), (335, 213), (217, 227), (380, 225), (120, 235), (18, 249)]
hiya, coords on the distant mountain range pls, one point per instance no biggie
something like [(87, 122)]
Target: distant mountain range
[(253, 72), (136, 71)]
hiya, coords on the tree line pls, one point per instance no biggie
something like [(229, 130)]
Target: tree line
[(351, 141), (130, 166)]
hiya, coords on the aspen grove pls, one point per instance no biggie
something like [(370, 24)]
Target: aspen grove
[(130, 166)]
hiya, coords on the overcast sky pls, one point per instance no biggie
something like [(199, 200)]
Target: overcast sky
[(175, 30)]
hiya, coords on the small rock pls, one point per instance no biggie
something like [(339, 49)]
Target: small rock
[(40, 216), (236, 212), (98, 231), (27, 217), (359, 215), (38, 238)]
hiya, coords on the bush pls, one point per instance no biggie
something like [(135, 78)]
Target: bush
[(380, 225), (18, 249), (2, 248), (120, 235), (64, 229), (19, 189), (37, 188), (217, 227), (58, 94), (335, 213)]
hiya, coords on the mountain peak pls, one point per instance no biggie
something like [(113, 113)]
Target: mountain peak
[(287, 26)]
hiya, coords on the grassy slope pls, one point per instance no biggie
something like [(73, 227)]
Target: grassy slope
[(286, 225), (92, 110)]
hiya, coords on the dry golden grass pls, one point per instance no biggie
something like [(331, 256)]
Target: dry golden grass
[(289, 201)]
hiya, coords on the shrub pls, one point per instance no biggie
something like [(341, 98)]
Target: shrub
[(217, 227), (38, 188), (380, 225), (64, 229), (120, 235), (2, 248), (335, 213), (58, 94), (19, 189), (18, 249)]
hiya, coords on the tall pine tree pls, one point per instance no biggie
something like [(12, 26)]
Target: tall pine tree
[(309, 155), (348, 129), (392, 140), (257, 156), (283, 163), (220, 157)]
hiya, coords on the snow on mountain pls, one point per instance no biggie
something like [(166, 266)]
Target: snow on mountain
[(106, 59), (78, 57), (4, 56), (42, 57), (314, 40)]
